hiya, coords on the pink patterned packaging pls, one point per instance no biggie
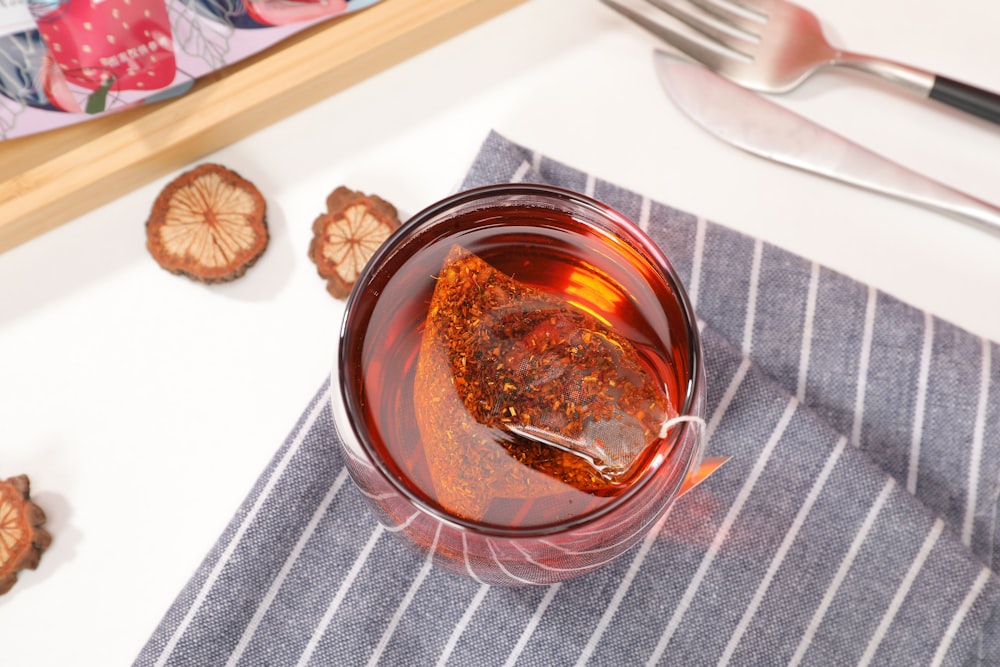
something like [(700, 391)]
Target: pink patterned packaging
[(65, 61)]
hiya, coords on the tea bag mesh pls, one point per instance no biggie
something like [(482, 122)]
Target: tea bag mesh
[(512, 382), (561, 379)]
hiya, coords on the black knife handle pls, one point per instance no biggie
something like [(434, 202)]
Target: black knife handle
[(968, 98)]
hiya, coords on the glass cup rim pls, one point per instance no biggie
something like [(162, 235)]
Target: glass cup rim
[(620, 222)]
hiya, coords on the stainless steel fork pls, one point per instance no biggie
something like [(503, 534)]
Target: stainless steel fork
[(773, 45)]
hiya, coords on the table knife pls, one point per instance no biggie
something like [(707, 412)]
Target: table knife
[(747, 120)]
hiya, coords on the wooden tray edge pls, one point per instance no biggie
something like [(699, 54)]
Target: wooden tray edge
[(107, 158)]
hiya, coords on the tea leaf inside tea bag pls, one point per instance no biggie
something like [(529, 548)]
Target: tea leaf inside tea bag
[(519, 392)]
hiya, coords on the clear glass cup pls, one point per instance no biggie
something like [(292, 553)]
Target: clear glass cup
[(579, 252)]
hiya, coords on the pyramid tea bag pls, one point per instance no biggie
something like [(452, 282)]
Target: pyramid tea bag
[(519, 393)]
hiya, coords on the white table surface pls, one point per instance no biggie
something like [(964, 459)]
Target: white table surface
[(143, 405)]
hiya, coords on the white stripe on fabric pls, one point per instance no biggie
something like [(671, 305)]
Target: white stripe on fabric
[(513, 577), (468, 565), (841, 574), (220, 564), (727, 397), (978, 438), (402, 527), (378, 496), (339, 596), (808, 320), (591, 185), (956, 621), (533, 622), (779, 556), (404, 604), (592, 562), (645, 211), (623, 586), (866, 354), (916, 439), (699, 254), (758, 255), (723, 532), (463, 623), (904, 588), (521, 171), (988, 558), (279, 579), (536, 161)]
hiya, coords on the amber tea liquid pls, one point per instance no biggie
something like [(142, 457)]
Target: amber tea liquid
[(592, 269)]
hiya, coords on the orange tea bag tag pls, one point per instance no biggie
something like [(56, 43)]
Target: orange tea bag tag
[(705, 470), (519, 393)]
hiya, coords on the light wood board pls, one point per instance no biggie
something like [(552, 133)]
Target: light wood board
[(53, 177)]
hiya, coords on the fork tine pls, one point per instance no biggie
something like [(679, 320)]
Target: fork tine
[(735, 13), (737, 37), (711, 58), (759, 7)]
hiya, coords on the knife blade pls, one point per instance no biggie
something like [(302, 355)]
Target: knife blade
[(747, 120)]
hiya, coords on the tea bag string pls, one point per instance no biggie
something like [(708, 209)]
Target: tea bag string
[(670, 423)]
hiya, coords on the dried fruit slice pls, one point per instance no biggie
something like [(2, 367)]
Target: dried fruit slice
[(208, 224), (22, 538), (347, 235)]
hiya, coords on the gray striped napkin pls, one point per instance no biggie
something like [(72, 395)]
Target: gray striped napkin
[(855, 524)]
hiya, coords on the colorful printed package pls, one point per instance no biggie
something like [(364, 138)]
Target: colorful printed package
[(64, 61)]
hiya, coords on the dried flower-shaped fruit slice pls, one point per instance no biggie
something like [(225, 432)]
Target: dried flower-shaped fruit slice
[(22, 538), (518, 393), (347, 235), (208, 224)]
